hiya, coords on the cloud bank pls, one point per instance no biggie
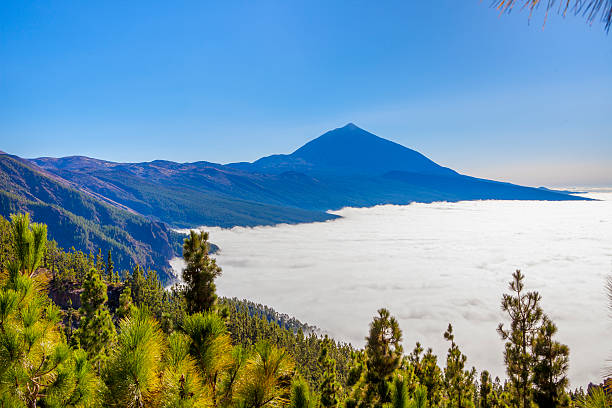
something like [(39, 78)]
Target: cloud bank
[(432, 264)]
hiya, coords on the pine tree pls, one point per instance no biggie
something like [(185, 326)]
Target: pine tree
[(486, 394), (133, 369), (384, 352), (125, 303), (420, 397), (29, 240), (300, 394), (76, 384), (148, 370), (137, 283), (153, 293), (180, 383), (35, 363), (31, 348), (330, 388), (210, 347), (70, 324), (399, 393), (110, 267), (550, 370), (356, 378), (100, 265), (428, 373), (91, 260), (525, 316), (6, 243), (596, 398), (199, 274), (458, 381), (267, 377), (233, 376), (96, 331)]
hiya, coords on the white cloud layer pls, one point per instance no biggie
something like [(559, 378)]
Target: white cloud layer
[(432, 264)]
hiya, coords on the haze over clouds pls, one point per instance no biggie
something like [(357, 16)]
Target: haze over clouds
[(432, 264)]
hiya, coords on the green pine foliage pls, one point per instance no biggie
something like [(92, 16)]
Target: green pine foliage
[(29, 242), (110, 267), (420, 398), (399, 393), (330, 388), (383, 347), (200, 273), (210, 347), (96, 333), (249, 324), (267, 377), (457, 380), (7, 252), (125, 304), (36, 364), (525, 314), (485, 392), (132, 372), (134, 343), (550, 367), (300, 394), (428, 373), (595, 398)]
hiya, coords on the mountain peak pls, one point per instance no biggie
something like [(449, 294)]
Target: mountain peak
[(349, 150)]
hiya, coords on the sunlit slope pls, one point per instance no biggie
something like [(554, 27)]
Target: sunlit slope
[(76, 218)]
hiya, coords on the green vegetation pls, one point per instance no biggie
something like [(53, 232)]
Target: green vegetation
[(96, 332), (84, 220), (75, 332), (199, 274)]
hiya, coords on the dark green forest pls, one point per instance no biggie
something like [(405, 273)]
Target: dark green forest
[(78, 331), (82, 219)]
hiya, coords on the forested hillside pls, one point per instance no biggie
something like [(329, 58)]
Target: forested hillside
[(75, 331), (82, 220)]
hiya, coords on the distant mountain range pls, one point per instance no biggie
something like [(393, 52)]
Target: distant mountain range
[(131, 207)]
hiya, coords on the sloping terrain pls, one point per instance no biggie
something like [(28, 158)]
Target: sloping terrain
[(344, 167), (91, 203), (192, 194), (78, 219), (348, 150)]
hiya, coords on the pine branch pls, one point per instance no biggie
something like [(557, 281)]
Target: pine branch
[(592, 10)]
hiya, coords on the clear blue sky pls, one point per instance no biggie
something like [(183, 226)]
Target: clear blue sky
[(235, 80)]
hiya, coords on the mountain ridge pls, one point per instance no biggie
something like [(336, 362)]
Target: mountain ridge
[(347, 166), (80, 219)]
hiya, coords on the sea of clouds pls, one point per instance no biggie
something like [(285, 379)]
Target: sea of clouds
[(434, 264)]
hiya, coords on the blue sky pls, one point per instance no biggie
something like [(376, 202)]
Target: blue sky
[(229, 81)]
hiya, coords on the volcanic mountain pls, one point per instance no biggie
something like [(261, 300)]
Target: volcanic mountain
[(348, 150), (347, 166)]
